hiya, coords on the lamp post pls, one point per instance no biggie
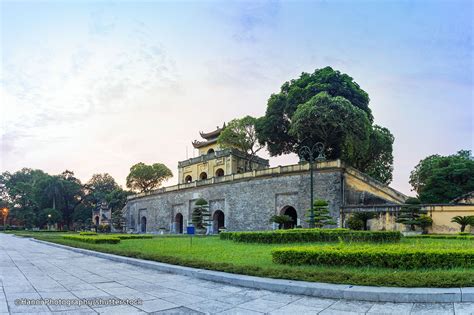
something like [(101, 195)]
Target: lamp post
[(5, 215), (49, 222), (311, 155)]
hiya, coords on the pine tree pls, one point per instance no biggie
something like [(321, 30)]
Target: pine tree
[(322, 216), (411, 213), (201, 215)]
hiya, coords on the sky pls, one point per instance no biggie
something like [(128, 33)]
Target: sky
[(97, 86)]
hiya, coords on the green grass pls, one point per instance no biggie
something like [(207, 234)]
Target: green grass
[(255, 259)]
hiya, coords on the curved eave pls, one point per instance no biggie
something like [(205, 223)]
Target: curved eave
[(200, 144)]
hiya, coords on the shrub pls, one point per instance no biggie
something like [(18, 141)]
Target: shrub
[(322, 216), (132, 236), (311, 235), (355, 223), (440, 236), (410, 213), (281, 220), (87, 233), (93, 239), (103, 228), (375, 256)]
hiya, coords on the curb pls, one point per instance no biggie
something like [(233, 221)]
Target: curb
[(324, 290)]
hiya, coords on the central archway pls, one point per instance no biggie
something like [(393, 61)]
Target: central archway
[(218, 221), (291, 212), (203, 175), (219, 172), (179, 223), (143, 225)]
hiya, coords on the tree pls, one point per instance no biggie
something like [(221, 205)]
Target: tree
[(425, 222), (201, 215), (463, 221), (378, 162), (341, 127), (322, 216), (440, 179), (410, 213), (364, 217), (281, 220), (100, 186), (49, 216), (241, 134), (144, 178), (368, 148)]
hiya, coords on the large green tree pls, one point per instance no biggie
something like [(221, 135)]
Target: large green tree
[(241, 134), (334, 121), (440, 179), (368, 148), (144, 178)]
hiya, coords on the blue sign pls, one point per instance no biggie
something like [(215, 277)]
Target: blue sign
[(190, 230)]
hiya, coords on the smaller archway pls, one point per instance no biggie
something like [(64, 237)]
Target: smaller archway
[(179, 223), (291, 212), (188, 179), (203, 175), (143, 225), (210, 151), (97, 220), (218, 221), (219, 172)]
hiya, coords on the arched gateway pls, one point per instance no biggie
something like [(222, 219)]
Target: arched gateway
[(291, 212), (179, 223), (143, 225), (218, 221)]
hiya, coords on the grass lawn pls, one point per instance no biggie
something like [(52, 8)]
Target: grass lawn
[(255, 259)]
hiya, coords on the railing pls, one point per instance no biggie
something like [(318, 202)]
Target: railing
[(295, 168), (219, 154)]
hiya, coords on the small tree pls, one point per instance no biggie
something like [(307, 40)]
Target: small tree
[(364, 217), (322, 216), (201, 215), (354, 223), (410, 213), (281, 220), (463, 221), (144, 178), (425, 222)]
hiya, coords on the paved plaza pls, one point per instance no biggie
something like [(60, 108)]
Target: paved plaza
[(30, 271)]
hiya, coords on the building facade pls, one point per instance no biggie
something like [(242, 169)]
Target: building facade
[(102, 214), (214, 161), (246, 201)]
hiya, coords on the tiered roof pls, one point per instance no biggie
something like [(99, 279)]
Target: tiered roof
[(210, 137)]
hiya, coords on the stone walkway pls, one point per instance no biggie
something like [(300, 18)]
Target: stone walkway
[(36, 272)]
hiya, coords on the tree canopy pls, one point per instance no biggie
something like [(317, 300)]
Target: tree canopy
[(440, 179), (241, 134), (144, 178), (330, 107)]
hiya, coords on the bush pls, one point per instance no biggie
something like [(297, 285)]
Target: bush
[(87, 233), (132, 236), (355, 223), (311, 235), (440, 236), (103, 228), (375, 256), (93, 239)]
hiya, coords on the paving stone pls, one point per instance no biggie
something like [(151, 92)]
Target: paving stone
[(156, 305), (210, 306), (281, 297), (432, 308), (236, 299), (183, 299), (315, 302), (464, 308), (240, 311), (261, 305), (351, 306), (388, 308), (119, 309), (178, 311), (295, 309)]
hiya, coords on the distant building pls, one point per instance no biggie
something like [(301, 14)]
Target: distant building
[(465, 199), (102, 214), (214, 161)]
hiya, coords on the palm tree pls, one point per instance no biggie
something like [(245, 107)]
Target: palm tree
[(54, 189), (463, 221), (281, 220)]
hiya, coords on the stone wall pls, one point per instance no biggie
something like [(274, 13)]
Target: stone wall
[(248, 200), (247, 204)]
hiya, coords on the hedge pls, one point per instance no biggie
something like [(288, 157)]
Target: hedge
[(87, 233), (401, 258), (93, 239), (447, 237), (132, 236), (311, 235)]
